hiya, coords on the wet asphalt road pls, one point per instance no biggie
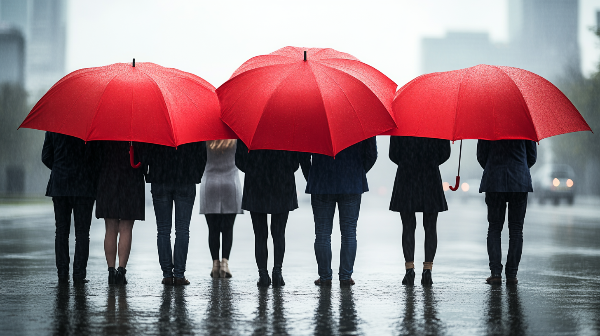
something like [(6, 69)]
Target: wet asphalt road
[(558, 292)]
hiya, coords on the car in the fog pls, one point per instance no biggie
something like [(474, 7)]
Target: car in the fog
[(553, 182)]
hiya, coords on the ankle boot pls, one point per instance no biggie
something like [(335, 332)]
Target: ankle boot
[(263, 280), (409, 277), (277, 277), (215, 269), (112, 272), (426, 278), (224, 270), (120, 276)]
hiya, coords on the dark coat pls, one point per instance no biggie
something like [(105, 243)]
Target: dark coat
[(418, 184), (506, 165), (344, 174), (269, 182), (182, 165), (74, 166), (121, 188)]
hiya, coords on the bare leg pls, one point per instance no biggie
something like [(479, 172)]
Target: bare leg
[(110, 240), (125, 233)]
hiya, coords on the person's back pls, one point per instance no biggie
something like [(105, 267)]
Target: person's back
[(506, 180)]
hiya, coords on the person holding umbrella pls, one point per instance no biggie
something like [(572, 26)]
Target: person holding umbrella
[(269, 188), (72, 186), (341, 180), (173, 174), (418, 188), (506, 180), (220, 201), (120, 201)]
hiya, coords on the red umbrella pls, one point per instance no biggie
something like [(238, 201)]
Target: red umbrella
[(314, 100), (484, 102), (142, 102)]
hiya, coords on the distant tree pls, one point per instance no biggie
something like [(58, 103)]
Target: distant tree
[(581, 150)]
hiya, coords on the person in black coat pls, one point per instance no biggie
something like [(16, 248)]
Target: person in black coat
[(269, 188), (339, 181), (418, 188), (173, 174), (506, 180), (120, 201), (72, 186)]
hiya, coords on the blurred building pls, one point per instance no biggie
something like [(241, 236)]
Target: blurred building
[(543, 39), (43, 25), (12, 55)]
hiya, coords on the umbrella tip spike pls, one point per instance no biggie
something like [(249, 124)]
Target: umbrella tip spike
[(134, 62), (304, 55)]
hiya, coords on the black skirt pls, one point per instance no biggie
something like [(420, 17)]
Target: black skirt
[(121, 191)]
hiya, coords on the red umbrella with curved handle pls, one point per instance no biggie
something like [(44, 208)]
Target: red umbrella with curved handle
[(141, 102), (484, 102)]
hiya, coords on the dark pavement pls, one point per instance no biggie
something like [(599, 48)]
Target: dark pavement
[(558, 291)]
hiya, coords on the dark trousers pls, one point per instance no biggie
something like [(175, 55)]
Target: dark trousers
[(220, 224), (81, 207), (517, 206), (409, 224), (259, 224), (323, 211), (164, 195)]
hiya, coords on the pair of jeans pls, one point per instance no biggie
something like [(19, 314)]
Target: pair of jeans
[(81, 207), (517, 206), (409, 224), (217, 224), (163, 197), (323, 210), (259, 225)]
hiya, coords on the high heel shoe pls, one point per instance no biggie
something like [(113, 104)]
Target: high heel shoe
[(264, 280), (215, 269), (112, 273), (224, 269), (409, 277), (120, 278), (277, 277)]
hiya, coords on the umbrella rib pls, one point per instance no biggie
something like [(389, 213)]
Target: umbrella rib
[(528, 114), (166, 108), (349, 102), (87, 132)]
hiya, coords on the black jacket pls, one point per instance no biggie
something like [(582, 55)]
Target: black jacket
[(182, 165), (506, 165), (418, 183), (74, 165), (344, 174), (269, 183)]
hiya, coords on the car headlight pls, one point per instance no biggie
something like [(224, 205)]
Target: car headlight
[(556, 182), (464, 187), (569, 183)]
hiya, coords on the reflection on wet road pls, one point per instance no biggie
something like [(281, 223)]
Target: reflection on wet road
[(558, 292)]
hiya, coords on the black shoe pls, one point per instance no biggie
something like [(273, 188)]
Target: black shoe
[(511, 281), (120, 276), (409, 277), (426, 278), (112, 273), (346, 283), (277, 277), (79, 281), (320, 282), (263, 280), (494, 279)]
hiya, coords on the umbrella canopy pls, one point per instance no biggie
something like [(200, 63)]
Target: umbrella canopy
[(142, 102), (484, 102), (316, 100)]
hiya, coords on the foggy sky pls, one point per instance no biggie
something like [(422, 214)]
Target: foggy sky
[(212, 38)]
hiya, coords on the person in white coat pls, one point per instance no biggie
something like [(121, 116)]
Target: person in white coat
[(220, 201)]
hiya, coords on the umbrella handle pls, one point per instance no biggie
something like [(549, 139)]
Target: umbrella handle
[(131, 160), (456, 185)]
